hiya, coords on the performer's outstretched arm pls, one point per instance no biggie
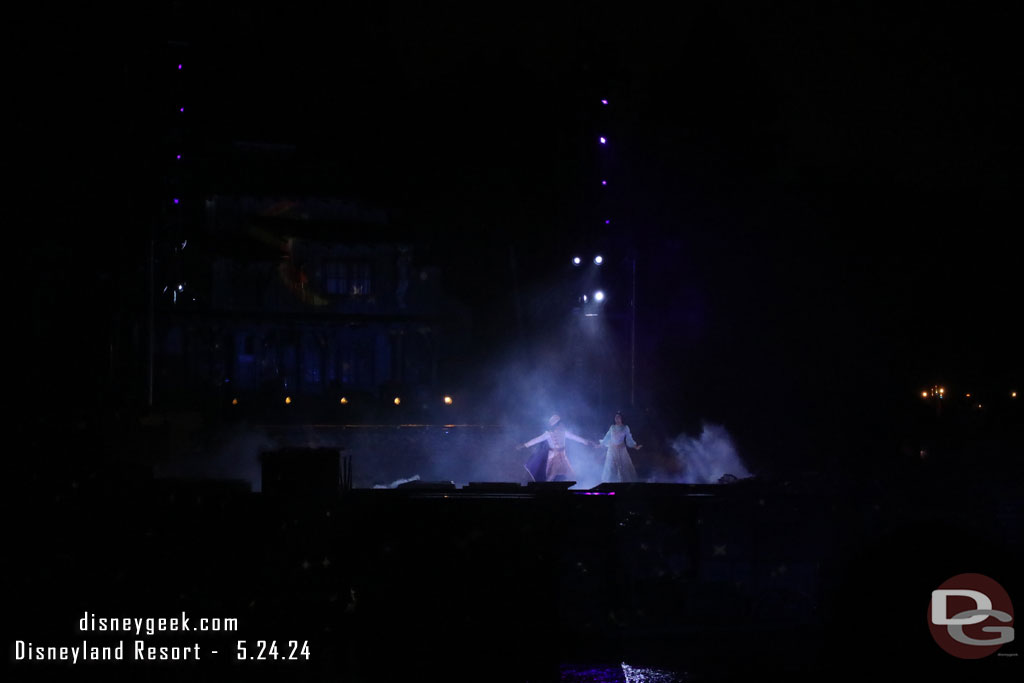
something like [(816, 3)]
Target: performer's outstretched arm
[(580, 439), (534, 442)]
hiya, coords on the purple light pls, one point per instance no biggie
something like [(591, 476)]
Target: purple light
[(608, 222), (179, 67), (178, 157), (604, 182), (175, 200), (602, 139), (604, 102), (182, 110)]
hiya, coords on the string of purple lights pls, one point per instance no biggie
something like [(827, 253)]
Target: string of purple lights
[(175, 228), (604, 169)]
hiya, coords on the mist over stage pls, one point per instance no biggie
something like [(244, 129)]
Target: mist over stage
[(382, 455)]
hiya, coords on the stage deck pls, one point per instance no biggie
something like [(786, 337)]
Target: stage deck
[(502, 581)]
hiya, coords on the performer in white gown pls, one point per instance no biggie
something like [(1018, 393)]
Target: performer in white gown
[(617, 464), (557, 464)]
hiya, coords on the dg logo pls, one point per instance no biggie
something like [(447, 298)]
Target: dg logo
[(970, 616)]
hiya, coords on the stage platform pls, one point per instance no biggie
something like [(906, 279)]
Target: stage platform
[(500, 581)]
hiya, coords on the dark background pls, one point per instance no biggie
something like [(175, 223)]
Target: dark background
[(822, 202), (819, 198)]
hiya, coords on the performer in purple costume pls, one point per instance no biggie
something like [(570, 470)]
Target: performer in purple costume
[(556, 466)]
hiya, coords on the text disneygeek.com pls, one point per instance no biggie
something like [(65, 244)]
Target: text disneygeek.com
[(149, 651)]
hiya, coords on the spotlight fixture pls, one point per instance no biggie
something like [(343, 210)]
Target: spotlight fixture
[(398, 401), (343, 401), (448, 400), (599, 296), (576, 260), (598, 260)]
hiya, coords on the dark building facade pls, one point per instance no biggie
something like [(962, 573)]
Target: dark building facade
[(309, 307)]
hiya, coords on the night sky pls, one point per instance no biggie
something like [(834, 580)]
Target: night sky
[(819, 197)]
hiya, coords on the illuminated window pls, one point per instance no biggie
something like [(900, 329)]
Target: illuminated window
[(347, 277), (348, 363), (335, 277), (360, 282)]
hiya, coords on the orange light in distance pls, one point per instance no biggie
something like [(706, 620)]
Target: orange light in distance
[(398, 401), (343, 401), (448, 400), (287, 399)]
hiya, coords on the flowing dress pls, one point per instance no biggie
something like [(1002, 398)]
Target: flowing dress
[(618, 466)]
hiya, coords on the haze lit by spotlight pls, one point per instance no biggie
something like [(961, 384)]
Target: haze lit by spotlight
[(598, 259), (576, 260), (599, 296)]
